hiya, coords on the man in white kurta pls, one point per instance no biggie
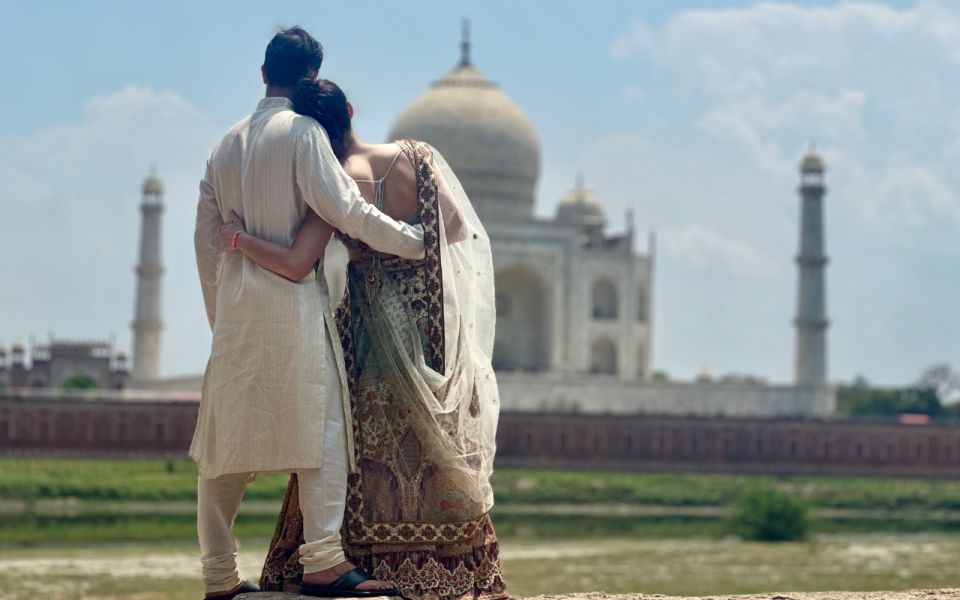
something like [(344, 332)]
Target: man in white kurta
[(274, 388)]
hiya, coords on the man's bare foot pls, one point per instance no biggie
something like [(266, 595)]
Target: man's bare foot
[(328, 576)]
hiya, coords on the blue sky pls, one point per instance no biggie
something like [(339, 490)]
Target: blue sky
[(694, 114)]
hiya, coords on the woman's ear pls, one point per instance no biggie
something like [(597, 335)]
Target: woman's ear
[(349, 110), (263, 74)]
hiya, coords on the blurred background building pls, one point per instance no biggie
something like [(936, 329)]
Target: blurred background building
[(78, 364)]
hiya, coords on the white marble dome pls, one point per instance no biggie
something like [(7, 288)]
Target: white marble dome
[(580, 206), (488, 141)]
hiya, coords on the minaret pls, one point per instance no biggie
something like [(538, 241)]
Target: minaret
[(811, 322), (147, 325)]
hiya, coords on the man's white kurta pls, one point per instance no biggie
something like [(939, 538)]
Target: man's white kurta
[(263, 402)]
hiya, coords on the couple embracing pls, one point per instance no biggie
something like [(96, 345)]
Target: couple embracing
[(384, 413)]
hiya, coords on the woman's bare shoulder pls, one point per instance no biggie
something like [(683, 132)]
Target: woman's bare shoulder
[(400, 181), (394, 162)]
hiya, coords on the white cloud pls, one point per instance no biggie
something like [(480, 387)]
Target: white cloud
[(808, 37), (706, 248), (638, 39), (908, 197), (872, 84), (635, 93), (70, 197), (756, 123)]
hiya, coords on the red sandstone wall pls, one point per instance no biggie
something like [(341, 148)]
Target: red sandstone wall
[(78, 425), (163, 426), (780, 446)]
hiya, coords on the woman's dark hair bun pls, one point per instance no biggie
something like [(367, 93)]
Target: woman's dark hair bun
[(323, 100)]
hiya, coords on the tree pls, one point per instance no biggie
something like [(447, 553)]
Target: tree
[(79, 381), (944, 380), (862, 401), (767, 514)]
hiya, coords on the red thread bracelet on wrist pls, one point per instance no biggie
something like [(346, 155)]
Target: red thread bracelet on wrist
[(233, 240)]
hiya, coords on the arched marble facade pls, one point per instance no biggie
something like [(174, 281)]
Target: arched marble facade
[(523, 321), (603, 357), (584, 294), (606, 303)]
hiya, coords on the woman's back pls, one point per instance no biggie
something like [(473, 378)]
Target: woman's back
[(386, 167)]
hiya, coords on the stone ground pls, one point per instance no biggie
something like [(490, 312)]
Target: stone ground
[(904, 595)]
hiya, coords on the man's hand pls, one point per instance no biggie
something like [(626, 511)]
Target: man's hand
[(228, 230)]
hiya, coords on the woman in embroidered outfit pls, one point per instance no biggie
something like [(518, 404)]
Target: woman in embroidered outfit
[(417, 338)]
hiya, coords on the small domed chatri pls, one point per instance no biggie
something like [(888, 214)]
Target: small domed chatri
[(580, 206)]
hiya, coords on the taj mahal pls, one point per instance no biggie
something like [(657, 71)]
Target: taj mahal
[(548, 321), (575, 311)]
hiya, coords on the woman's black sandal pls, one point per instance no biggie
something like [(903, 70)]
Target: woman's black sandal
[(345, 586)]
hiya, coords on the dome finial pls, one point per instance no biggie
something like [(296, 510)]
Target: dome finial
[(465, 44), (579, 180)]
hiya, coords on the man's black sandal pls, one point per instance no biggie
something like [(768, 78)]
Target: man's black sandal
[(245, 587), (346, 587)]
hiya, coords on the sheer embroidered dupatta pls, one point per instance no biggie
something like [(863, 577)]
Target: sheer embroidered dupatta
[(439, 374)]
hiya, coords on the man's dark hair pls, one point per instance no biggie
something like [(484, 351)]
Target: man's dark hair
[(291, 55)]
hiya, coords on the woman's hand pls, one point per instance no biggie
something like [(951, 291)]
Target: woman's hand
[(233, 226)]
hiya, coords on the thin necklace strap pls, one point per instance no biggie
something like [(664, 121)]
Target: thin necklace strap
[(390, 168), (393, 162)]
